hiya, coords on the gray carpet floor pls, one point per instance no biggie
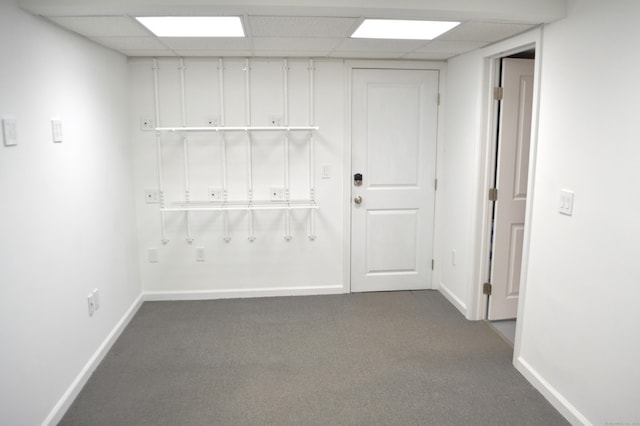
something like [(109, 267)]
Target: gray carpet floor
[(401, 358)]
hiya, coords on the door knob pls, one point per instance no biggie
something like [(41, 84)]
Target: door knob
[(357, 199)]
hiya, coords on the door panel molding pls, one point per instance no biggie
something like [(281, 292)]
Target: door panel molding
[(350, 66)]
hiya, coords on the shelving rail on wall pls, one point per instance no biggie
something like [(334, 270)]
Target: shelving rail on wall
[(187, 206)]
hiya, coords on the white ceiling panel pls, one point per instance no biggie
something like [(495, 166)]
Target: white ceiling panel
[(300, 26), (149, 52), (429, 56), (295, 44), (484, 31), (189, 43), (446, 46), (131, 43), (206, 52), (366, 45), (102, 26), (367, 55)]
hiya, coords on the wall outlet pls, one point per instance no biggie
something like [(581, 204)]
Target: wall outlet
[(213, 121), (276, 193), (96, 298), (91, 304), (214, 194), (147, 124), (275, 120), (151, 196)]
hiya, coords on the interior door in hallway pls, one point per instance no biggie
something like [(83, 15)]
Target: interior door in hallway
[(511, 181), (394, 135)]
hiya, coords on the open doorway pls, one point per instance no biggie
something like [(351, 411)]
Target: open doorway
[(513, 97)]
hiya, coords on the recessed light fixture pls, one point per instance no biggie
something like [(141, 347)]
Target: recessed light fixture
[(193, 26), (402, 29)]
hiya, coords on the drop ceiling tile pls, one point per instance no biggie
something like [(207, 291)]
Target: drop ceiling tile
[(294, 44), (151, 52), (300, 26), (212, 52), (369, 45), (194, 43), (447, 46), (484, 31), (131, 43), (429, 56), (366, 55), (289, 54), (102, 26)]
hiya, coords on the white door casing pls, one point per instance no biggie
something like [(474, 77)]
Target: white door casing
[(394, 139), (512, 177)]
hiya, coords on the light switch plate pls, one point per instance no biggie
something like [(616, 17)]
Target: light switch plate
[(152, 254), (200, 254), (566, 202), (326, 171), (9, 131), (56, 129)]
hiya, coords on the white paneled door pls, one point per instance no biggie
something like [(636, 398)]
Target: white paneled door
[(512, 177), (394, 135)]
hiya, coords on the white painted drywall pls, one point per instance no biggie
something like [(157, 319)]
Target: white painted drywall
[(269, 265), (581, 328), (458, 181), (66, 211)]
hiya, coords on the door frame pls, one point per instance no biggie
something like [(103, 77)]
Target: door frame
[(492, 57), (350, 65)]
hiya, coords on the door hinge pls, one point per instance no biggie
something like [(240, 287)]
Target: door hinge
[(498, 93), (493, 194), (486, 288), (435, 185), (433, 264)]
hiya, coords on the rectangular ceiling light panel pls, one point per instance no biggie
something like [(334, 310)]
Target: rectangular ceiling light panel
[(402, 29), (193, 26)]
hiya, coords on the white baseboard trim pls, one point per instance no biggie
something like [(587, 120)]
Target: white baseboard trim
[(242, 293), (552, 395), (72, 392), (453, 299)]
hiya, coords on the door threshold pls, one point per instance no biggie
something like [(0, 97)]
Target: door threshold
[(506, 329)]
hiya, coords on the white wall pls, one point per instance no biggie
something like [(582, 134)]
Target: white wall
[(578, 321), (66, 215), (458, 179), (269, 265), (581, 323)]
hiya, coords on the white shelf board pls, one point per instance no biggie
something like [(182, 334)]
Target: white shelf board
[(240, 205), (238, 129)]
